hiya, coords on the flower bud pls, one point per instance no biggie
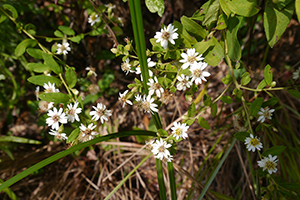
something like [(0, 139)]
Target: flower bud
[(114, 50), (273, 84)]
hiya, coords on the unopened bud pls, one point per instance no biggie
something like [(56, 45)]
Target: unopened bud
[(271, 187), (114, 50), (76, 92), (273, 84), (128, 47)]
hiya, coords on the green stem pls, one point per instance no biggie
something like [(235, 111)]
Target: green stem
[(160, 178)]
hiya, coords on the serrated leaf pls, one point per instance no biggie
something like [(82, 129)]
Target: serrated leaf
[(268, 75), (49, 60), (234, 47), (214, 109), (261, 85), (156, 6), (276, 21), (226, 99), (71, 77), (193, 27), (245, 78), (66, 30), (21, 48), (274, 151), (203, 123), (37, 67), (255, 106), (12, 9), (42, 79), (191, 111), (241, 136), (74, 134), (35, 53), (56, 97)]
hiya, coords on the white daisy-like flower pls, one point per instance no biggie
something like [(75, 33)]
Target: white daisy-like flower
[(87, 133), (253, 143), (49, 88), (167, 34), (190, 57), (126, 66), (93, 18), (155, 87), (198, 75), (184, 82), (100, 113), (180, 130), (296, 74), (160, 150), (56, 117), (150, 64), (123, 99), (147, 105), (63, 48), (268, 163), (265, 113), (72, 112), (60, 136)]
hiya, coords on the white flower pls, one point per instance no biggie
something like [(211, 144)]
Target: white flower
[(296, 74), (189, 58), (184, 82), (37, 92), (166, 34), (180, 130), (265, 113), (150, 64), (45, 106), (148, 105), (60, 136), (160, 150), (87, 133), (198, 75), (126, 67), (139, 102), (50, 87), (56, 117), (253, 143), (100, 113), (63, 48), (72, 112), (154, 86), (93, 18), (122, 99), (269, 163)]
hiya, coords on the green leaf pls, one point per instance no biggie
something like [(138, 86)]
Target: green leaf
[(276, 21), (294, 92), (66, 30), (35, 53), (106, 80), (226, 99), (74, 134), (56, 97), (37, 67), (271, 102), (49, 60), (18, 140), (214, 109), (268, 75), (246, 8), (222, 22), (282, 3), (261, 85), (187, 39), (156, 6), (192, 27), (227, 6), (245, 78), (12, 9), (77, 38), (58, 34), (274, 151), (2, 18), (30, 28), (207, 100), (255, 106), (212, 14), (297, 8), (163, 133), (189, 122), (42, 79), (203, 123), (21, 48), (117, 30), (228, 79), (192, 110), (241, 136), (234, 48), (71, 77)]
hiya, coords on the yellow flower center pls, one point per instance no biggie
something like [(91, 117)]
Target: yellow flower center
[(197, 72), (254, 142), (178, 131), (161, 149), (55, 118), (270, 165), (191, 59)]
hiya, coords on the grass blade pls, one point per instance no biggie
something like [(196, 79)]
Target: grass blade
[(160, 177)]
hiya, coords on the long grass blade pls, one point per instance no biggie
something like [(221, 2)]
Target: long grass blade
[(161, 182), (172, 180)]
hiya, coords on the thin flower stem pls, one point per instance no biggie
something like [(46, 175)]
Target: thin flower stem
[(66, 86), (247, 114), (259, 90)]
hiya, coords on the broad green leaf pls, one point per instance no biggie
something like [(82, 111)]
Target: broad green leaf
[(42, 79), (77, 38), (282, 3), (18, 140), (56, 97), (234, 48), (49, 60), (188, 41), (2, 18), (241, 136), (203, 123), (238, 94), (261, 85), (294, 92), (276, 21), (226, 99), (297, 8), (214, 109), (227, 7), (21, 48), (37, 67), (191, 111), (156, 6), (245, 78), (271, 102), (246, 8), (274, 151), (66, 30), (12, 9), (212, 14), (207, 100), (163, 133), (73, 135), (189, 122), (71, 77), (255, 106), (58, 34), (35, 53), (222, 22), (268, 75), (106, 80), (192, 27), (117, 30), (228, 79)]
